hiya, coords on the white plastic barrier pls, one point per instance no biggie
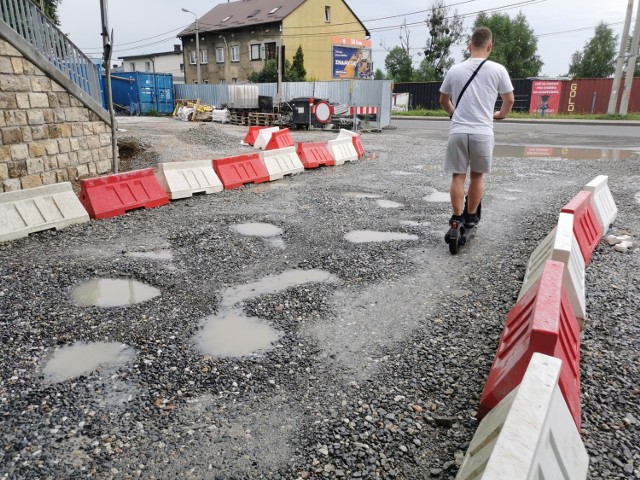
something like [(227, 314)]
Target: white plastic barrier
[(530, 434), (281, 162), (41, 208), (183, 179), (347, 134), (342, 150), (263, 137), (602, 201), (560, 245)]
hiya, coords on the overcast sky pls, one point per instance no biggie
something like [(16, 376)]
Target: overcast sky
[(148, 26)]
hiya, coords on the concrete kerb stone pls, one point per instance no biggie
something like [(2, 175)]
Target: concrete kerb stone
[(281, 162), (264, 136), (560, 245), (184, 179), (342, 150), (602, 201), (40, 208), (530, 434)]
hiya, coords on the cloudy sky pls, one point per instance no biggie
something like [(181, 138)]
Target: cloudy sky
[(147, 26)]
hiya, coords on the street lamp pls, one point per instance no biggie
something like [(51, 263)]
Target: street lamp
[(198, 77)]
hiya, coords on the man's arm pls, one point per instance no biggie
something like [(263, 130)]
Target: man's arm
[(445, 103), (507, 103)]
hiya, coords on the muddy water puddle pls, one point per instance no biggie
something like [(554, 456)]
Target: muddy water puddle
[(369, 236), (110, 292), (153, 255), (388, 203), (257, 229), (232, 333), (361, 195), (437, 197), (83, 358), (570, 153)]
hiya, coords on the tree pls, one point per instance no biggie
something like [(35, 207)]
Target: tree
[(378, 75), (399, 64), (598, 57), (297, 73), (50, 8), (514, 43), (445, 30), (269, 73)]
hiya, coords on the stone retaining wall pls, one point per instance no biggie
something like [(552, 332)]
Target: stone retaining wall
[(46, 134)]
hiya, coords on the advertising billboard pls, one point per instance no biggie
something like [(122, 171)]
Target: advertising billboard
[(351, 58), (545, 97)]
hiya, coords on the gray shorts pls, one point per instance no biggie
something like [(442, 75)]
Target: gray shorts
[(466, 150)]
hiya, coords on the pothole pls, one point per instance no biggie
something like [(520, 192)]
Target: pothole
[(365, 236), (83, 358), (108, 292)]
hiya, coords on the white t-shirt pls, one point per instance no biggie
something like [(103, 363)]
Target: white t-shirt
[(475, 112)]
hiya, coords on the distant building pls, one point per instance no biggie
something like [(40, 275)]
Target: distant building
[(237, 38), (163, 62)]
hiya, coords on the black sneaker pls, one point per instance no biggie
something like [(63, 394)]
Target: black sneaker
[(455, 218), (471, 220)]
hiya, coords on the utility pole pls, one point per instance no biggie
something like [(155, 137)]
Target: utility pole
[(198, 75), (631, 66), (107, 48), (613, 98)]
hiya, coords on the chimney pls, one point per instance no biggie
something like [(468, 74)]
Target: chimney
[(177, 48)]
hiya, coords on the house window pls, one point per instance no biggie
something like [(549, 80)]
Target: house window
[(274, 10), (255, 51), (234, 80), (235, 53), (327, 13), (220, 55), (192, 57), (270, 51), (204, 56), (253, 14), (227, 18), (182, 67), (132, 66), (147, 66)]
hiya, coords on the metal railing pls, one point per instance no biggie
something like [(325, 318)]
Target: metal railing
[(26, 19)]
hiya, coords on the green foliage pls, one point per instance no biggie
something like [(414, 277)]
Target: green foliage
[(514, 43), (598, 57), (399, 65), (269, 73), (445, 30), (50, 9), (379, 75), (297, 73)]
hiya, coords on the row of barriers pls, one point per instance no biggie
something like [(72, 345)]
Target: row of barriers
[(530, 405), (275, 155)]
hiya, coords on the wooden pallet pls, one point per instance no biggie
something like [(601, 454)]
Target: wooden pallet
[(239, 118), (262, 119)]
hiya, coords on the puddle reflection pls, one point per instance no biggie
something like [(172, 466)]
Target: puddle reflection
[(108, 292), (571, 153), (82, 358)]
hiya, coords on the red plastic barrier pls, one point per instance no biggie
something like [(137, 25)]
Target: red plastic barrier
[(314, 154), (586, 227), (280, 139), (252, 135), (357, 143), (236, 171), (113, 195), (542, 321)]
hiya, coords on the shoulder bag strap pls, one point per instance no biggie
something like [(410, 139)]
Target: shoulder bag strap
[(469, 81)]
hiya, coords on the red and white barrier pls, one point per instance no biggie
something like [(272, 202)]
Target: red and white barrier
[(239, 170), (252, 135), (356, 139), (586, 227), (530, 434), (264, 135), (560, 245), (184, 179), (363, 110), (314, 154), (342, 150), (281, 162), (41, 208), (602, 201), (542, 321), (279, 139)]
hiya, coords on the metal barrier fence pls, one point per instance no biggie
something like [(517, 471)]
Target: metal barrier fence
[(28, 21), (353, 93)]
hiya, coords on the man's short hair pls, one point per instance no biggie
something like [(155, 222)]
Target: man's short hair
[(481, 37)]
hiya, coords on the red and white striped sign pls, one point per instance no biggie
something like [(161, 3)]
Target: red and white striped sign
[(363, 110)]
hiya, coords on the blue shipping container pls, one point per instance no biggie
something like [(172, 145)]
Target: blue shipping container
[(143, 92)]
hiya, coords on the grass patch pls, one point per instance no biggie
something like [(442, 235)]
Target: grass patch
[(601, 116)]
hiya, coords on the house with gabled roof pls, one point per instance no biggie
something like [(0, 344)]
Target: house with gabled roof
[(237, 38)]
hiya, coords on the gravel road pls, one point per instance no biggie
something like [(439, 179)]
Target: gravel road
[(379, 349)]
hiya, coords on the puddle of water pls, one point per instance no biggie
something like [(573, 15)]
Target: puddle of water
[(388, 204), (273, 284), (365, 236), (512, 190), (361, 195), (572, 153), (371, 156), (438, 197), (82, 358), (107, 292), (275, 243), (257, 229), (412, 223), (234, 334), (156, 255), (399, 173)]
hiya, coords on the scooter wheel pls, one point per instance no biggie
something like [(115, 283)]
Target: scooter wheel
[(447, 237)]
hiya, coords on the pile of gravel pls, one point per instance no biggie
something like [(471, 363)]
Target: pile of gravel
[(377, 374)]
